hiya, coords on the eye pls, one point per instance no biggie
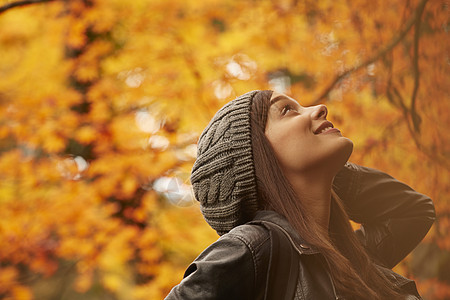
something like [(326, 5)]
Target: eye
[(287, 108)]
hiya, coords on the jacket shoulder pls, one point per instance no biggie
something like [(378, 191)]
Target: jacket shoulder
[(254, 236), (257, 238), (231, 268)]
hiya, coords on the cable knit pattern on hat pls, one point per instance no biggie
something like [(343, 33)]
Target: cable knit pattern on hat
[(223, 176)]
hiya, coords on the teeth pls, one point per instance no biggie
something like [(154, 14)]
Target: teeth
[(325, 129)]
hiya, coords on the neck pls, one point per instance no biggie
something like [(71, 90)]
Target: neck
[(315, 193)]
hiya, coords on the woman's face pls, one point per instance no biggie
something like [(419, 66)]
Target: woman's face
[(302, 137)]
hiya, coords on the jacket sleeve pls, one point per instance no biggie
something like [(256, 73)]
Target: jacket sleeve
[(225, 270), (394, 218)]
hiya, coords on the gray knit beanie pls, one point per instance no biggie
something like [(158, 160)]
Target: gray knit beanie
[(223, 176)]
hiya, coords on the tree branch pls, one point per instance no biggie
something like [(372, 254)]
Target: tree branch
[(432, 155), (414, 116), (394, 42), (20, 3)]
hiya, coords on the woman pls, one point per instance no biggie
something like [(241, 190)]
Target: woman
[(273, 180)]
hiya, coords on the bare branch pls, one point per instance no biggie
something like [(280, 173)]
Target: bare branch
[(394, 42), (20, 3), (414, 116), (432, 155)]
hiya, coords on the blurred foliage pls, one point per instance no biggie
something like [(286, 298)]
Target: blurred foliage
[(101, 104)]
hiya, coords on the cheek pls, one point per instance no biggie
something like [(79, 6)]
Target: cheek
[(278, 137), (289, 147)]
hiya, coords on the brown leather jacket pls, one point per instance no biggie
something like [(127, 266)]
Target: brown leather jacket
[(256, 261)]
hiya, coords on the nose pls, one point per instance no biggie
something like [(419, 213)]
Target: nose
[(320, 112)]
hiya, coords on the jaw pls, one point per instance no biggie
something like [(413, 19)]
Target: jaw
[(323, 163)]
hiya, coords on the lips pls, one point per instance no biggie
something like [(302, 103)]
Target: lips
[(323, 127)]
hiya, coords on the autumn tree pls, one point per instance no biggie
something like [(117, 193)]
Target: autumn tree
[(102, 102)]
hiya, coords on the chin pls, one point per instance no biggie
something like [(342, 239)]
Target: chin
[(341, 155), (347, 149)]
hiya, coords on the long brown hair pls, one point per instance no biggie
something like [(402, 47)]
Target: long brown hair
[(353, 272)]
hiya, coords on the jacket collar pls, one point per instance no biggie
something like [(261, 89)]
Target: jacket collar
[(272, 218)]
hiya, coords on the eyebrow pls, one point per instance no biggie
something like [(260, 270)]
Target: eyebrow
[(277, 98)]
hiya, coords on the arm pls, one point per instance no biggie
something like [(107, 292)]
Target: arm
[(225, 270), (394, 217)]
